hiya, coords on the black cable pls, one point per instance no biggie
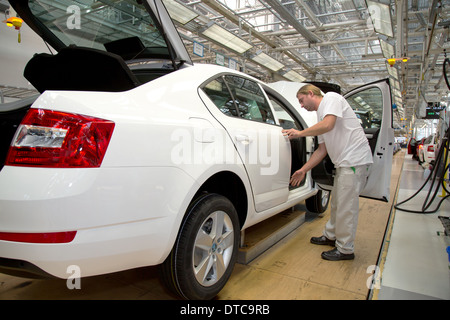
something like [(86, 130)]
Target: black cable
[(434, 173), (438, 164), (444, 67)]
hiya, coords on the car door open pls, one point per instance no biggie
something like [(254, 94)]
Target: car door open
[(372, 106)]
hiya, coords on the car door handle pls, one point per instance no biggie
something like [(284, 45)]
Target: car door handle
[(244, 139)]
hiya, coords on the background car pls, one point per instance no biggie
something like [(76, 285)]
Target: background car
[(428, 149), (397, 147)]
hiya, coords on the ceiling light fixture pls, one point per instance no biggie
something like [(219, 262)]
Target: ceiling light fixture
[(294, 76), (225, 38), (381, 17), (179, 12), (267, 61), (387, 49)]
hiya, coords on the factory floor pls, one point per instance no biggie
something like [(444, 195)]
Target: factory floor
[(398, 255), (414, 264)]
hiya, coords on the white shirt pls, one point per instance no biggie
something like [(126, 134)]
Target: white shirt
[(346, 143)]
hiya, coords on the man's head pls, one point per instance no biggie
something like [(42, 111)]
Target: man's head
[(309, 97)]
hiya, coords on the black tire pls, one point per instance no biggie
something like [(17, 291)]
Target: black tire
[(208, 237), (319, 202)]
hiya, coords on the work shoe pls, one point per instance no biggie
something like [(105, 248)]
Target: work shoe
[(323, 241), (336, 255)]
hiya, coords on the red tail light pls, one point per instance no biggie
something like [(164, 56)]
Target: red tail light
[(48, 138), (50, 237)]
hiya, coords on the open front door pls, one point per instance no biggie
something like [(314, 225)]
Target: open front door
[(372, 105)]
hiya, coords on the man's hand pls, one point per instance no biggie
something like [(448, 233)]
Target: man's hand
[(291, 133), (297, 178)]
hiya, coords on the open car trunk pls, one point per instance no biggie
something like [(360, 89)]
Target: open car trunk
[(101, 51), (103, 45)]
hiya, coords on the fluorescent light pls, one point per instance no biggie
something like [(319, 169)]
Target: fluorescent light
[(267, 61), (294, 76), (394, 84), (226, 38), (179, 12), (393, 73), (387, 49), (381, 17)]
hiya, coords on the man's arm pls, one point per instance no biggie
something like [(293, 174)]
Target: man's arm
[(327, 124), (315, 159)]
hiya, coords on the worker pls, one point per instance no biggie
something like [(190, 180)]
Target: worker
[(341, 136)]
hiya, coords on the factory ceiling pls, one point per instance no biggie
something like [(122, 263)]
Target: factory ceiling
[(345, 42)]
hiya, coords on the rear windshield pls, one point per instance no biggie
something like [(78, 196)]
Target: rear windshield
[(100, 24)]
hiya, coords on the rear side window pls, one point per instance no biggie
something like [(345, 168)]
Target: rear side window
[(218, 92), (239, 97)]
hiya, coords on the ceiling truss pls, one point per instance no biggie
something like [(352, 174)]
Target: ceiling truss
[(335, 41)]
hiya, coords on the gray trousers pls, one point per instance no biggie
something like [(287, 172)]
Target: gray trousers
[(344, 210)]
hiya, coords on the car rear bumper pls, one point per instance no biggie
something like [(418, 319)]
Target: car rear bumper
[(123, 217), (94, 251), (428, 158)]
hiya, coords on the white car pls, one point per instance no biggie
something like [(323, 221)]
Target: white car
[(427, 150), (132, 156)]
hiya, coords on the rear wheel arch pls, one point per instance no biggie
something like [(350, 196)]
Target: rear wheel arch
[(221, 200), (229, 185)]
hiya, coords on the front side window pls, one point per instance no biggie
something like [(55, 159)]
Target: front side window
[(368, 107)]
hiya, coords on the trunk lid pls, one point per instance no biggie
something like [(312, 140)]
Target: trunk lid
[(100, 43)]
